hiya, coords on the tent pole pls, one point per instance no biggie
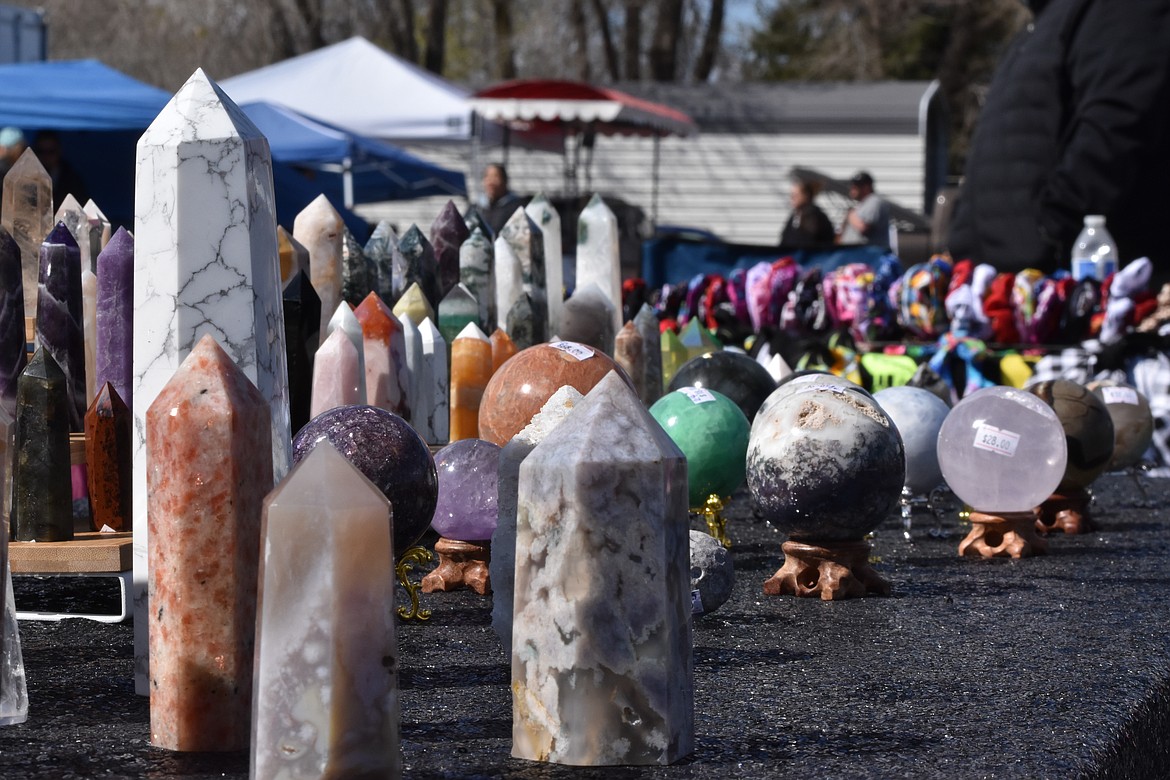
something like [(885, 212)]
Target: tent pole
[(654, 183), (347, 181), (475, 141)]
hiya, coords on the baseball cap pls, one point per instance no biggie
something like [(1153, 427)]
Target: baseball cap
[(862, 177)]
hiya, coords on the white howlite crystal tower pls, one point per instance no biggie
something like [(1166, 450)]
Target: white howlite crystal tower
[(502, 565), (325, 701), (509, 281), (549, 221), (601, 643), (205, 262), (435, 381), (598, 257)]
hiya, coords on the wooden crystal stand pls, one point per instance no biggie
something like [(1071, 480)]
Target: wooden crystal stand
[(831, 570), (461, 565), (1006, 535), (1068, 512), (88, 555)]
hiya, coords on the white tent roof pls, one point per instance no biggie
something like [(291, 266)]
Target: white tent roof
[(358, 86)]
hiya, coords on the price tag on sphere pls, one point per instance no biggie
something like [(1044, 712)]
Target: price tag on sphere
[(698, 395), (579, 351), (997, 440), (696, 603), (1120, 395)]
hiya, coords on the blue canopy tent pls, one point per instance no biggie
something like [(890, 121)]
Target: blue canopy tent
[(99, 114), (347, 167)]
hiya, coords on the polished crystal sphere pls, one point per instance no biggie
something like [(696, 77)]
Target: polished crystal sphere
[(918, 414), (1002, 450), (712, 432), (1088, 430), (521, 386), (384, 447), (733, 374), (1133, 423), (469, 473), (794, 383), (825, 463)]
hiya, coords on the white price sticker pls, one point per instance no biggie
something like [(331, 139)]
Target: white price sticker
[(696, 603), (698, 395), (996, 440), (579, 351), (1120, 395)]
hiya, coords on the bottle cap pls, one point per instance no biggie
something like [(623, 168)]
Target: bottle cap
[(1094, 220)]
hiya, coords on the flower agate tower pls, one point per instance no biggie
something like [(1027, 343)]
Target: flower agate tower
[(206, 262), (326, 683), (601, 643)]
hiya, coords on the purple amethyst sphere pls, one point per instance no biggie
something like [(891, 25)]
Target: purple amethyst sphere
[(468, 485), (384, 447)]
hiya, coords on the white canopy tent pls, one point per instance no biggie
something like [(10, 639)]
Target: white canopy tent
[(362, 88)]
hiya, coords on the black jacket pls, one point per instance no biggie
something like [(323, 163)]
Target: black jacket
[(1076, 122)]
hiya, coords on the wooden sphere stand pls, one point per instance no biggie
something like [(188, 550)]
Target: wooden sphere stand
[(1005, 535), (1067, 511), (461, 565), (830, 570)]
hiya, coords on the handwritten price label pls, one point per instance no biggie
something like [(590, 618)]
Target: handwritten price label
[(579, 351), (1120, 395), (996, 440), (698, 395)]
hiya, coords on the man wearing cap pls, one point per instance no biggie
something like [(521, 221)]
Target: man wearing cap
[(869, 221)]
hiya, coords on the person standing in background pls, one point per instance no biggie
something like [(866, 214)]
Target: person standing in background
[(499, 202), (869, 221), (1077, 122), (807, 225)]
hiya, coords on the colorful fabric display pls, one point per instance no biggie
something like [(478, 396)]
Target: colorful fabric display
[(921, 298)]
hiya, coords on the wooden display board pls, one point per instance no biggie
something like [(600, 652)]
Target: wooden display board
[(89, 553)]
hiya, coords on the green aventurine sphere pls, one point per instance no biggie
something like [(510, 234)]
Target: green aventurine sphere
[(712, 432)]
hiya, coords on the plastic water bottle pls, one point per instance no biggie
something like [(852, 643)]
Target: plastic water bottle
[(1094, 254)]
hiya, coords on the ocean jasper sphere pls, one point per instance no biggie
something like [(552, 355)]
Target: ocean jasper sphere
[(824, 464), (1002, 450), (919, 415), (1088, 430), (1133, 423), (469, 472), (712, 432), (733, 374), (381, 445), (530, 377)]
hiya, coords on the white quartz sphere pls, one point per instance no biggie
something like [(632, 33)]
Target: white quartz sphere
[(1002, 450), (918, 415)]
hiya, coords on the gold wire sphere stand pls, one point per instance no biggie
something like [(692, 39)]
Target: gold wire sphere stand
[(415, 556)]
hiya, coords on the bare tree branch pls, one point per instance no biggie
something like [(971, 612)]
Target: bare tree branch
[(664, 46), (436, 36), (607, 44), (710, 49), (504, 33), (632, 40)]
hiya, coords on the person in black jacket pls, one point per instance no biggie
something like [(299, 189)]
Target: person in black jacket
[(807, 225), (1077, 122)]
